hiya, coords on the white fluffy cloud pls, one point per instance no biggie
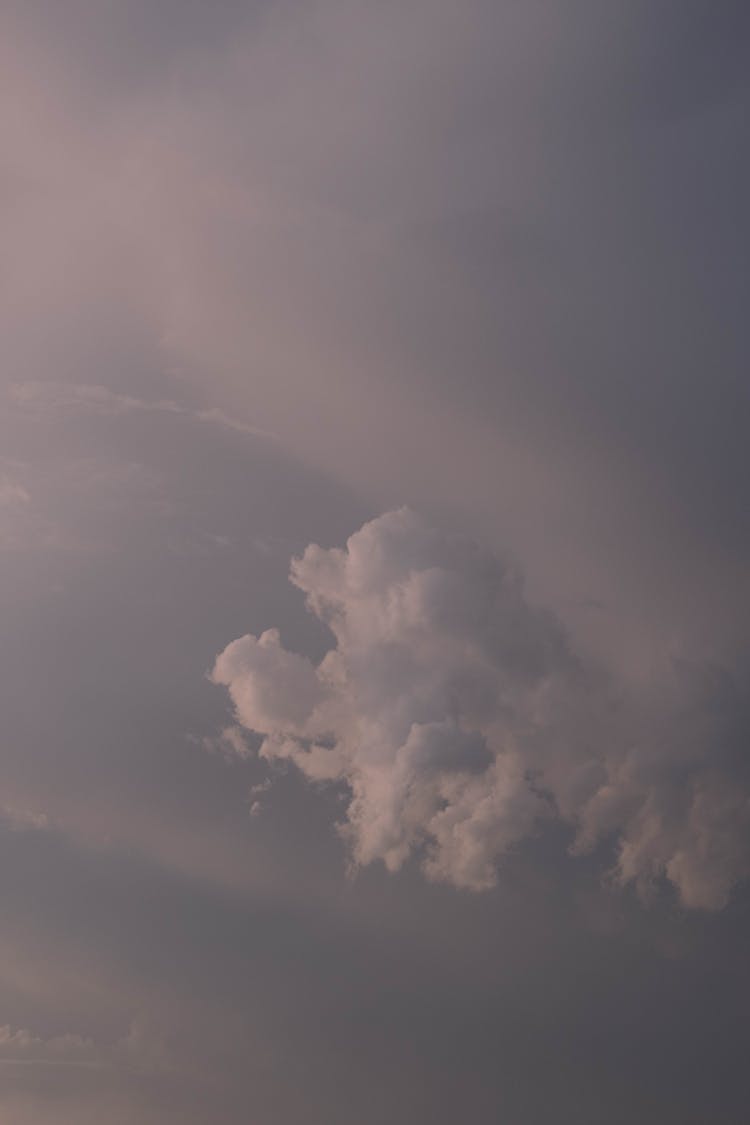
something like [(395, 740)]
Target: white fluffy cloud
[(458, 717)]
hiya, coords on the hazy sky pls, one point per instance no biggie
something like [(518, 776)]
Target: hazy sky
[(375, 549)]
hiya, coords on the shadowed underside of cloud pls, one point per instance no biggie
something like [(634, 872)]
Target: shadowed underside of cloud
[(460, 718)]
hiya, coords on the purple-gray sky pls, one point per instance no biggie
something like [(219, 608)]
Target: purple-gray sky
[(443, 306)]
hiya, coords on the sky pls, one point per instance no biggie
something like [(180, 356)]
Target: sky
[(375, 553)]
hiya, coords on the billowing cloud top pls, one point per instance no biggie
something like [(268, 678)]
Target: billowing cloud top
[(459, 718)]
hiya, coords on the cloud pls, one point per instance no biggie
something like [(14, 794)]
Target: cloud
[(20, 1046), (142, 1048), (23, 820), (12, 493), (459, 718), (92, 398)]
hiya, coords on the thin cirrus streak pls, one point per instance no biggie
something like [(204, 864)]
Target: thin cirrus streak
[(459, 718), (92, 398)]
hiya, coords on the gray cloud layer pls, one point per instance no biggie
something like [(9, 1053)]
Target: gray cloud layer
[(270, 269)]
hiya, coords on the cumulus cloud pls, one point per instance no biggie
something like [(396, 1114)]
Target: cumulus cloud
[(459, 718)]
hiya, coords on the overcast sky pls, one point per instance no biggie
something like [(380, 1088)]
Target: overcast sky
[(375, 550)]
